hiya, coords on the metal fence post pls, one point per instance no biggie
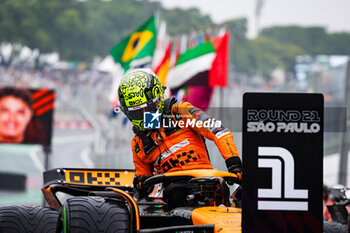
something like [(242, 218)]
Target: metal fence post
[(344, 150)]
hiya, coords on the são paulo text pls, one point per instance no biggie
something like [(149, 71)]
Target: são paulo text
[(282, 127)]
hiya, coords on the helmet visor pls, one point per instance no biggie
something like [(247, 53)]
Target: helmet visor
[(136, 112)]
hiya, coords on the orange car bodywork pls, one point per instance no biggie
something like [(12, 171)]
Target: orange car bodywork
[(226, 219)]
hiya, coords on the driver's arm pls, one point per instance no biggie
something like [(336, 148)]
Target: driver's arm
[(222, 137), (143, 170), (141, 167)]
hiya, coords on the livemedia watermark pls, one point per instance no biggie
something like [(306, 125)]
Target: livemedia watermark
[(154, 120)]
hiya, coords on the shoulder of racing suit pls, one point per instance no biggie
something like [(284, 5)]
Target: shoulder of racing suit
[(213, 130), (148, 143)]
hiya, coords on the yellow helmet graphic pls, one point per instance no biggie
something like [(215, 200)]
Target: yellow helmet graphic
[(140, 91)]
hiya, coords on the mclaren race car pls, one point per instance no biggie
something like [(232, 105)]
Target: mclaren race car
[(89, 200)]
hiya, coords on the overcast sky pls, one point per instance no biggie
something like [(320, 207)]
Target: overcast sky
[(332, 14)]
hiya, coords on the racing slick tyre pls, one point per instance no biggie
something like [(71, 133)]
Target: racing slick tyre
[(27, 219), (334, 227), (92, 215)]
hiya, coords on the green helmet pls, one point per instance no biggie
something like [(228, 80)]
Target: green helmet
[(140, 91)]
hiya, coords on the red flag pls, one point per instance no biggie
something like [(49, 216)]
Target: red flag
[(162, 69), (219, 71)]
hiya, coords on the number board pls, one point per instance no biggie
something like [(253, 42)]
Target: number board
[(282, 163), (102, 178)]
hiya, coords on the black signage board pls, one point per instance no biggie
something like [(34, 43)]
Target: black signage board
[(282, 163)]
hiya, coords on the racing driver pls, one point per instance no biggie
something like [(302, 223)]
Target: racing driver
[(168, 148)]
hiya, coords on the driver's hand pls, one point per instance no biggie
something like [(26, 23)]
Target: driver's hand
[(234, 165)]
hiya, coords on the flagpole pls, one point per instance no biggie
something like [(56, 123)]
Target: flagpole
[(221, 103)]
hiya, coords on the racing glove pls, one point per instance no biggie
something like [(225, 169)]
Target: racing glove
[(234, 165), (138, 184)]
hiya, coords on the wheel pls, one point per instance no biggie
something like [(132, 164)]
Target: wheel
[(27, 219), (93, 214), (334, 227)]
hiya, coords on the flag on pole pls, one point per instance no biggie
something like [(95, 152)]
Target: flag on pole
[(162, 69), (162, 42), (219, 70), (137, 48), (203, 65), (192, 67)]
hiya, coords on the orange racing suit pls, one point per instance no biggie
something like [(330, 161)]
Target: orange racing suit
[(180, 148)]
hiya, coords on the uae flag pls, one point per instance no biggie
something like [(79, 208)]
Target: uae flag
[(137, 49), (204, 65)]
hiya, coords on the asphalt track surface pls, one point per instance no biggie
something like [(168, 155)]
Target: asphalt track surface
[(70, 148)]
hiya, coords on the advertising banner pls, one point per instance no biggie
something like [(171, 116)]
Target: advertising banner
[(26, 115)]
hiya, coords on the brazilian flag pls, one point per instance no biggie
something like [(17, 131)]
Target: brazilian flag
[(138, 46)]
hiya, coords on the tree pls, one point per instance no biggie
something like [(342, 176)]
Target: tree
[(186, 21), (81, 30), (241, 56), (270, 54), (313, 40), (109, 22), (338, 43), (261, 55), (38, 24), (237, 28)]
